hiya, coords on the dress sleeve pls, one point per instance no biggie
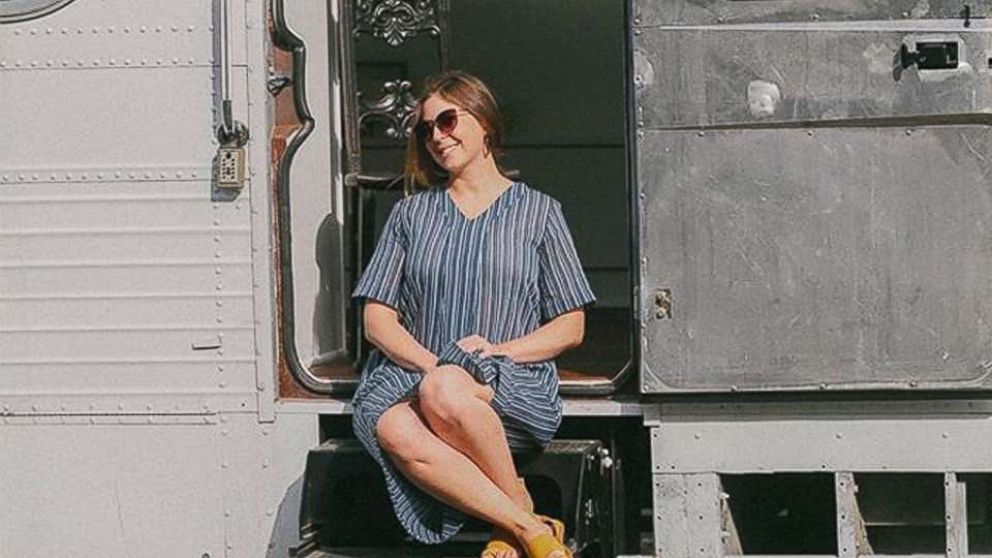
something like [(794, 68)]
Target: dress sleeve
[(562, 283), (381, 279)]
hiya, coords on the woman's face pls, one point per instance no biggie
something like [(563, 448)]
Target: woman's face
[(462, 145)]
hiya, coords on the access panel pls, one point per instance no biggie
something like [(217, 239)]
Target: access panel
[(813, 197)]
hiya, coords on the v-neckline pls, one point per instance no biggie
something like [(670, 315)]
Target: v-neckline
[(492, 204)]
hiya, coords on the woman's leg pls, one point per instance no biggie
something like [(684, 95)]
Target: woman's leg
[(457, 409), (447, 474)]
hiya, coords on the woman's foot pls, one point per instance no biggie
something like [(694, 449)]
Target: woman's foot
[(501, 543), (541, 542)]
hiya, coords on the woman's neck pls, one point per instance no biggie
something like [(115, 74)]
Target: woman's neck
[(479, 179)]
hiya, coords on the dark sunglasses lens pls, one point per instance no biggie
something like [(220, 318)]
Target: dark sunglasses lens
[(447, 120)]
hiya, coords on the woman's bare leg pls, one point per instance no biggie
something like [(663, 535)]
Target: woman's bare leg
[(447, 474), (457, 409)]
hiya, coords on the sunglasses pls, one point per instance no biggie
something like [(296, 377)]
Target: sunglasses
[(445, 122)]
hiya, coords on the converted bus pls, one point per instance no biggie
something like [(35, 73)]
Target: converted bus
[(783, 207)]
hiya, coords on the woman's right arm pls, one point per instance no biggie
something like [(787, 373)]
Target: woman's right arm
[(384, 330)]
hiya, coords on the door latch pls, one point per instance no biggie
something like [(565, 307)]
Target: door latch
[(936, 55)]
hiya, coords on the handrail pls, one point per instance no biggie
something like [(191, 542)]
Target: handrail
[(284, 38)]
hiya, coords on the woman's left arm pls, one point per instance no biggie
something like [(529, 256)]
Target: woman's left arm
[(546, 342)]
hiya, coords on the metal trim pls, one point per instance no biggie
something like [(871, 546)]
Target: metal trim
[(36, 9), (284, 38)]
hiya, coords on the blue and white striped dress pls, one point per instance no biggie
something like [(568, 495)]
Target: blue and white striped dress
[(499, 275)]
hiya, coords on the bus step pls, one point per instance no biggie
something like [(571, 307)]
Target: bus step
[(345, 510)]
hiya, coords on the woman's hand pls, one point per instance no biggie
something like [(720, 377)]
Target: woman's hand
[(481, 345)]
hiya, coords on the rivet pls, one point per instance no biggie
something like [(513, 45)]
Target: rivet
[(945, 435), (158, 62), (839, 435), (49, 63), (144, 61), (190, 27), (227, 513), (143, 29), (905, 14), (84, 176), (68, 176), (261, 386), (217, 254), (99, 175), (3, 63), (64, 31), (192, 60), (158, 29), (127, 61), (118, 174), (162, 175), (65, 62), (268, 513), (220, 367), (96, 62), (131, 175), (48, 31), (34, 63), (224, 465), (175, 60), (18, 63), (815, 17), (220, 319), (220, 287), (230, 546), (220, 303), (96, 30), (217, 271), (34, 176), (265, 464), (20, 177), (700, 133), (79, 31), (17, 31), (110, 30), (148, 174), (909, 132), (127, 29), (175, 28), (179, 174), (193, 174)]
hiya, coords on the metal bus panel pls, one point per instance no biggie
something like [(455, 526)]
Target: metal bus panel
[(154, 493), (831, 234), (792, 74), (118, 254), (651, 13), (846, 271)]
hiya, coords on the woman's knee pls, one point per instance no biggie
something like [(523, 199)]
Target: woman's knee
[(400, 433), (447, 394)]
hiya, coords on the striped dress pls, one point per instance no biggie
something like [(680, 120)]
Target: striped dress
[(499, 275)]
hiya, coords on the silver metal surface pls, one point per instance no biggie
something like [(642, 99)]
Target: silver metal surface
[(956, 516), (831, 274), (687, 511), (815, 211), (651, 13), (23, 10)]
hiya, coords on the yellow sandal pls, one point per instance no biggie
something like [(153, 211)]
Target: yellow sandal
[(495, 546), (546, 545), (557, 527)]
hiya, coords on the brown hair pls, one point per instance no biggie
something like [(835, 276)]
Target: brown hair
[(472, 95)]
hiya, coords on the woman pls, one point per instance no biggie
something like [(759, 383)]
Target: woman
[(473, 289)]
